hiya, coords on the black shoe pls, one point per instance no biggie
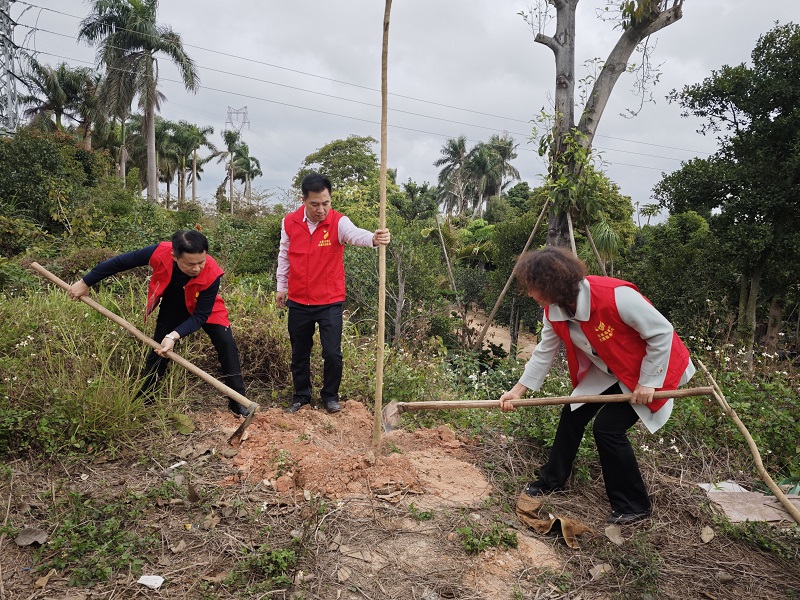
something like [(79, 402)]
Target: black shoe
[(237, 408), (297, 405), (621, 518), (538, 488), (332, 406)]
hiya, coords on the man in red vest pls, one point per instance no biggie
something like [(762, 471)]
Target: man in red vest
[(310, 281), (188, 298), (616, 342)]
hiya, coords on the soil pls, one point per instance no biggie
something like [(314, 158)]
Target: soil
[(370, 522), (501, 336)]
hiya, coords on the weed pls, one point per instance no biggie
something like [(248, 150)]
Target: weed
[(476, 541), (263, 569), (283, 462), (561, 580), (419, 515), (93, 540), (785, 544)]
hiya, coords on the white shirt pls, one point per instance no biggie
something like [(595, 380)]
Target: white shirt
[(594, 374), (348, 234)]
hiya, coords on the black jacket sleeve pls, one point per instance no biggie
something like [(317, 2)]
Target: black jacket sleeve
[(123, 262)]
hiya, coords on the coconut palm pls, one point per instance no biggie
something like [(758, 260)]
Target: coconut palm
[(52, 92), (452, 177), (231, 139), (246, 168), (128, 39), (504, 150), (195, 137)]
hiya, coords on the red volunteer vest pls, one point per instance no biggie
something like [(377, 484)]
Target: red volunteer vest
[(617, 344), (162, 263), (316, 260)]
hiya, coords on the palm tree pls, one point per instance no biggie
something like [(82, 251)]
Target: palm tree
[(246, 168), (52, 92), (196, 137), (452, 178), (504, 150), (482, 173), (231, 140), (129, 38)]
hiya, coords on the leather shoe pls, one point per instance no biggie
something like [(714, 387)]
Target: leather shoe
[(621, 518), (296, 405), (237, 408), (538, 488), (332, 406)]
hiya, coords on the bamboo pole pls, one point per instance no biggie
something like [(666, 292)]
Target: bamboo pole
[(728, 410), (479, 341), (377, 426)]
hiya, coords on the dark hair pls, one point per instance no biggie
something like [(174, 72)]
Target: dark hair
[(188, 241), (554, 272), (315, 182)]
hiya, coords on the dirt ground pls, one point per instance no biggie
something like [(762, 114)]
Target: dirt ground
[(315, 482)]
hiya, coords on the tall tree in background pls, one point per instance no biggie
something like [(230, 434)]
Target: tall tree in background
[(52, 93), (749, 191), (199, 137), (638, 19), (453, 178), (246, 168), (129, 38), (231, 140), (345, 162)]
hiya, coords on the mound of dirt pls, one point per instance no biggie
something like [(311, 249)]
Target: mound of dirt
[(333, 456)]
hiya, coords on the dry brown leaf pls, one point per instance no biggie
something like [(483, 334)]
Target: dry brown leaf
[(42, 581), (218, 578), (211, 521), (528, 511), (192, 493), (179, 547)]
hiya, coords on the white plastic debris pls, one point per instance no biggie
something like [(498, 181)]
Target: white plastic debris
[(152, 581)]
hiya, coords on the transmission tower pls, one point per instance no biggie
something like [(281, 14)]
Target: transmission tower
[(9, 113), (237, 119)]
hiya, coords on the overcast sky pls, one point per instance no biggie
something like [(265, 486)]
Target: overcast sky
[(308, 72)]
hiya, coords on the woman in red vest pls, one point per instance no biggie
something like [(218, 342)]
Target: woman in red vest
[(188, 298), (616, 342)]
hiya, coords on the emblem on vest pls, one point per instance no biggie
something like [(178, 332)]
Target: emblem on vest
[(604, 332), (324, 241)]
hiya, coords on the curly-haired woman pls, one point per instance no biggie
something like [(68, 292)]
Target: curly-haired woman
[(616, 342)]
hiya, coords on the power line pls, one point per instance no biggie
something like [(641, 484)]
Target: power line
[(244, 58), (401, 127)]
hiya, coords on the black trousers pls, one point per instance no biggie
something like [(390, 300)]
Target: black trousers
[(228, 354), (624, 485), (302, 320)]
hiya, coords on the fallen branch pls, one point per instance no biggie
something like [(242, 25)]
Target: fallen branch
[(717, 392)]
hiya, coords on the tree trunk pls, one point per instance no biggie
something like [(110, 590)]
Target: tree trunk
[(166, 201), (749, 325), (194, 176), (231, 183), (401, 293), (152, 165), (741, 316), (123, 155), (600, 262), (774, 326), (562, 44), (513, 324)]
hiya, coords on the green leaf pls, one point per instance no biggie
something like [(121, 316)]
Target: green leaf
[(183, 423)]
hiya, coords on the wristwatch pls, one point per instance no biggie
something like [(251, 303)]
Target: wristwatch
[(172, 337)]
